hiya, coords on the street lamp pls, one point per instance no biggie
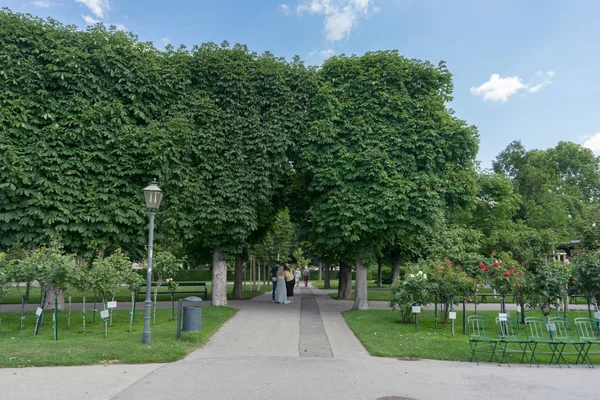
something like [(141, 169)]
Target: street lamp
[(153, 195)]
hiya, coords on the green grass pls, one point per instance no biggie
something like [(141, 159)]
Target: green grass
[(372, 295), (124, 295), (21, 348), (335, 283), (383, 335)]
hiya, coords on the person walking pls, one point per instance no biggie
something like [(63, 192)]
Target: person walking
[(306, 274), (289, 284), (274, 280), (297, 277), (281, 290)]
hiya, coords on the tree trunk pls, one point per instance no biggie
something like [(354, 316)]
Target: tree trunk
[(360, 298), (345, 282), (259, 276), (320, 272), (27, 289), (395, 259), (253, 274), (218, 293), (327, 283), (238, 293), (52, 293), (379, 266)]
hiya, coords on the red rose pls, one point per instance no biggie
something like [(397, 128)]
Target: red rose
[(518, 286), (507, 274), (520, 274), (496, 264), (486, 269), (574, 279), (481, 266)]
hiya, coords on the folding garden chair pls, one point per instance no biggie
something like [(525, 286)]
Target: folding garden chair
[(508, 336), (539, 332), (480, 339), (562, 333), (588, 330)]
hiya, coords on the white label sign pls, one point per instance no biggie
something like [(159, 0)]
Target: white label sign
[(416, 309), (452, 315), (518, 308), (502, 317), (597, 315), (104, 314), (39, 311), (112, 304)]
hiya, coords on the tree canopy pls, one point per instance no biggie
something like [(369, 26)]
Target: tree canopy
[(382, 155)]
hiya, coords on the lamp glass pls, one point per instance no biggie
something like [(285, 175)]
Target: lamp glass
[(153, 195)]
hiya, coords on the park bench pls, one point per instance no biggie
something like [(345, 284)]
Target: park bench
[(182, 288), (484, 296)]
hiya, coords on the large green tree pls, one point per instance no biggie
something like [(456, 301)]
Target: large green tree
[(383, 153), (74, 149), (241, 112)]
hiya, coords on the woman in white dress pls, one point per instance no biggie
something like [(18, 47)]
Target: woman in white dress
[(280, 290)]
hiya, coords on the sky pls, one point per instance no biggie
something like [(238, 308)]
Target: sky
[(522, 69)]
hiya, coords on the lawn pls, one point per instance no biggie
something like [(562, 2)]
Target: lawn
[(22, 349), (335, 282), (124, 295), (372, 295), (383, 335)]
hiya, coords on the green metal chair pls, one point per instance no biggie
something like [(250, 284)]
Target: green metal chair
[(539, 332), (508, 336), (562, 333), (480, 338), (588, 330)]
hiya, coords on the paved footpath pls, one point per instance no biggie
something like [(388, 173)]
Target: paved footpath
[(302, 350)]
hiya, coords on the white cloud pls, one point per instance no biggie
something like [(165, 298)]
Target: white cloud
[(285, 9), (340, 16), (165, 41), (325, 53), (120, 27), (44, 3), (89, 20), (500, 89), (98, 7), (593, 143), (543, 79)]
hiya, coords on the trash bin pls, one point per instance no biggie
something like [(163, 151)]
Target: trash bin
[(189, 319)]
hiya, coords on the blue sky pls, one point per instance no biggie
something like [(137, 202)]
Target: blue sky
[(522, 69)]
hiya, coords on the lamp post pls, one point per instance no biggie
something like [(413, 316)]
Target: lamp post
[(153, 195)]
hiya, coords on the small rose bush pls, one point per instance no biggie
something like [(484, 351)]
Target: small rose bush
[(415, 289)]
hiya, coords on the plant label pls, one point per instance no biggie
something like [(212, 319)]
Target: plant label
[(551, 327), (39, 311), (503, 317), (452, 315), (518, 309), (597, 315), (104, 314), (416, 309), (112, 304)]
